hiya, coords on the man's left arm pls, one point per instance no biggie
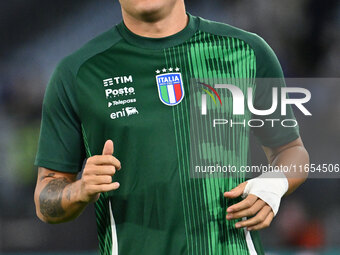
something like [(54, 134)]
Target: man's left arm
[(291, 154), (261, 213)]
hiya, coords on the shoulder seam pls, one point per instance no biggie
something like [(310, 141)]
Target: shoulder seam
[(94, 55), (71, 65)]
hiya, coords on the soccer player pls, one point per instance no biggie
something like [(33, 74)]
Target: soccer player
[(130, 86)]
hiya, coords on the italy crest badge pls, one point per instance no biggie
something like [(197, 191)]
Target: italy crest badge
[(170, 88)]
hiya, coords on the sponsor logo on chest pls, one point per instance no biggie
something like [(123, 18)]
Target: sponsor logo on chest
[(119, 92), (112, 92), (125, 112)]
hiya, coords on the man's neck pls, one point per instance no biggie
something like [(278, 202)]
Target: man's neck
[(165, 25)]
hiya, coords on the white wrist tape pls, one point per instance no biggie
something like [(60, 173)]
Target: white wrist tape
[(269, 187)]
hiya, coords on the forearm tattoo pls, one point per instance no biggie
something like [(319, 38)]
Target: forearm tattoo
[(51, 196)]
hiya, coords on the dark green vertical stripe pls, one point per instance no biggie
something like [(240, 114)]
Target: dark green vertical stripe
[(233, 63), (183, 180), (202, 188), (186, 116), (215, 58)]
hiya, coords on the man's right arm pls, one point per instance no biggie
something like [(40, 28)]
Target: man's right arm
[(59, 197)]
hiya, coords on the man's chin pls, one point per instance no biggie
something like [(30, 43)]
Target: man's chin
[(151, 14)]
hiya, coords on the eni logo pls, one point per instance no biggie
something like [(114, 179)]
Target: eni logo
[(125, 112)]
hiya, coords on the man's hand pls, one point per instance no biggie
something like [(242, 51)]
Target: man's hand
[(269, 189), (248, 207), (97, 175), (59, 197)]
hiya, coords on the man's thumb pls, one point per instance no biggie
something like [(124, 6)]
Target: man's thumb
[(236, 192), (108, 148)]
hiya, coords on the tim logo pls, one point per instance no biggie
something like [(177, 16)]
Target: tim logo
[(170, 88), (125, 112), (108, 82)]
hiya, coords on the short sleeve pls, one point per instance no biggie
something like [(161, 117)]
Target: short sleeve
[(269, 74), (61, 146)]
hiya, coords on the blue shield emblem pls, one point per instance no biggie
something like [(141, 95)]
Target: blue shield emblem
[(170, 88)]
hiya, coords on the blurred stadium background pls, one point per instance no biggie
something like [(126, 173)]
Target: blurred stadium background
[(36, 34)]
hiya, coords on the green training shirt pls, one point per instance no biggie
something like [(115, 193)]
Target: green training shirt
[(135, 91)]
